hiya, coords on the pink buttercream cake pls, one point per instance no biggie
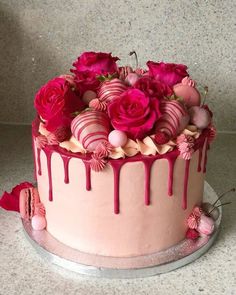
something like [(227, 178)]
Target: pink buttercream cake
[(120, 158)]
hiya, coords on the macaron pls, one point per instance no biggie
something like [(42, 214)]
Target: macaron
[(28, 198)]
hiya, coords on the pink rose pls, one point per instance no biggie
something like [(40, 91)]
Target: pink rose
[(134, 113), (153, 88), (89, 65), (167, 73), (55, 102)]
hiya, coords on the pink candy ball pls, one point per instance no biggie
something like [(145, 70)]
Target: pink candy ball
[(199, 117), (38, 222), (117, 138), (131, 79), (88, 96)]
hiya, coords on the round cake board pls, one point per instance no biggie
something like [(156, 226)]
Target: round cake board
[(115, 267)]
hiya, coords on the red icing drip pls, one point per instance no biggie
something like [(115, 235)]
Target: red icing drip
[(205, 158), (66, 161), (148, 166), (39, 161), (171, 161), (88, 175), (186, 174), (35, 128), (33, 147), (116, 165), (48, 153), (199, 169)]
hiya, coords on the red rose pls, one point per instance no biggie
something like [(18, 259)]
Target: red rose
[(55, 102), (89, 65), (134, 112), (97, 62), (153, 88), (86, 81), (167, 73)]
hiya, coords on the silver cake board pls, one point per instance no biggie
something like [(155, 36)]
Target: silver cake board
[(115, 267)]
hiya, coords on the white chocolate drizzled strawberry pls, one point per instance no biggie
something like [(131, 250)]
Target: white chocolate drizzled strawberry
[(124, 71), (111, 90), (174, 119), (91, 128)]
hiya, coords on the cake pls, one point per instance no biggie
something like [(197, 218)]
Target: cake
[(120, 158)]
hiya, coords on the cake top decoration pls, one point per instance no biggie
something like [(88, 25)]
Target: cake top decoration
[(122, 111)]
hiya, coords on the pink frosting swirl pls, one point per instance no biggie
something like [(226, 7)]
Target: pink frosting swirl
[(97, 163), (52, 139), (98, 104), (185, 144), (192, 221), (103, 149), (194, 218), (185, 138), (41, 141)]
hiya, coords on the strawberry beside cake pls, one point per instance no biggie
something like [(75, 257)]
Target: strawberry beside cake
[(120, 157)]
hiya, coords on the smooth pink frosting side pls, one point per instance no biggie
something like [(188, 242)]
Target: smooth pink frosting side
[(85, 220)]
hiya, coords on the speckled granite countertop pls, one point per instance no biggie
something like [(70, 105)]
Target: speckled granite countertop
[(23, 271)]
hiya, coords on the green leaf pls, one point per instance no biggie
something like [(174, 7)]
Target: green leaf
[(109, 77)]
